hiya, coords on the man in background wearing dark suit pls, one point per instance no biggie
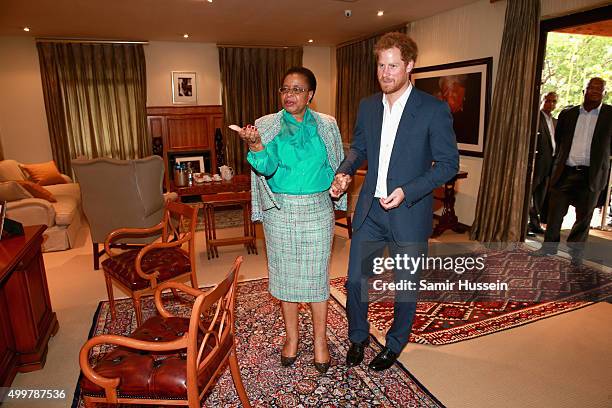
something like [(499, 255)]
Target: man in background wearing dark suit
[(401, 132), (545, 150), (580, 172)]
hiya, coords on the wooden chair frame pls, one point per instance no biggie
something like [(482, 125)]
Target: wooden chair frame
[(220, 300), (171, 236)]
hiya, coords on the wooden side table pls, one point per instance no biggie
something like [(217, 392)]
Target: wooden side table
[(212, 201), (448, 219)]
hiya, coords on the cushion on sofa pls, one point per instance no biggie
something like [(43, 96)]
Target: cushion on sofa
[(69, 189), (43, 173), (37, 191), (9, 170), (12, 191), (66, 208)]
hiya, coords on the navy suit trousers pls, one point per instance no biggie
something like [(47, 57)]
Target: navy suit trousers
[(368, 242)]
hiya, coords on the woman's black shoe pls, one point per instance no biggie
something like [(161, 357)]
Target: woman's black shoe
[(287, 361), (322, 367)]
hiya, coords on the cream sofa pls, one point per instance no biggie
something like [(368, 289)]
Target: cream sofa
[(63, 218)]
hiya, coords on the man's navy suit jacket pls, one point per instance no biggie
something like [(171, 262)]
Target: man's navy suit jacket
[(424, 157)]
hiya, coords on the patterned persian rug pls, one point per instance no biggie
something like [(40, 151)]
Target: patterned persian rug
[(224, 217), (439, 323), (260, 332)]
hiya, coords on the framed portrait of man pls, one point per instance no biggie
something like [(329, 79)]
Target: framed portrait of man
[(466, 87)]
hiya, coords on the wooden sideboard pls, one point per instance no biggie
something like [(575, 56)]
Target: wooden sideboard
[(26, 318), (185, 131)]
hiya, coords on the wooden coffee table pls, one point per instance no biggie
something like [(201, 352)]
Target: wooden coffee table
[(225, 199)]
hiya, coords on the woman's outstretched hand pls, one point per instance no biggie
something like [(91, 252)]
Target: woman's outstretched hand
[(250, 135)]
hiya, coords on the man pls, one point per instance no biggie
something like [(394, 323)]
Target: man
[(545, 150), (401, 132), (580, 172)]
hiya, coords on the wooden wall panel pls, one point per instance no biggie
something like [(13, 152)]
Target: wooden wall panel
[(156, 126), (188, 133)]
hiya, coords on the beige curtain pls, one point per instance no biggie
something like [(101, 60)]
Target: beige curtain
[(250, 78), (500, 205), (95, 98), (356, 73)]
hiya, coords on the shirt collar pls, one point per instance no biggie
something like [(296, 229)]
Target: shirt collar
[(308, 118), (401, 102), (593, 111)]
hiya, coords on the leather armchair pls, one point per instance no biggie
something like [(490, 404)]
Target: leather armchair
[(169, 359), (139, 271), (120, 193)]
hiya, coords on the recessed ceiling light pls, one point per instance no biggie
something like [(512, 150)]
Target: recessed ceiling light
[(26, 29), (185, 35), (380, 13), (210, 1), (311, 40)]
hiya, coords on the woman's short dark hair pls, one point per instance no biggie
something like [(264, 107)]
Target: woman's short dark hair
[(306, 73)]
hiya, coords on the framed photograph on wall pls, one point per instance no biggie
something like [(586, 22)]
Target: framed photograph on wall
[(184, 89), (197, 163), (466, 87)]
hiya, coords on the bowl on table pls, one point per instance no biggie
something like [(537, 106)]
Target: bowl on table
[(202, 178)]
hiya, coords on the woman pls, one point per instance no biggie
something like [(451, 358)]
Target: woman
[(295, 154)]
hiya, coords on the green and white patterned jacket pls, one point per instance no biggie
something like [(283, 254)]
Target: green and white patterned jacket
[(262, 198)]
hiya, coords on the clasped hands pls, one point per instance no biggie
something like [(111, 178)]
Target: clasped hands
[(339, 184)]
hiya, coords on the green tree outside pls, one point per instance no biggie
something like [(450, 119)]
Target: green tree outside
[(571, 60)]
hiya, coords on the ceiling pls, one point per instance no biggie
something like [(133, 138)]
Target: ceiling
[(601, 28), (240, 22)]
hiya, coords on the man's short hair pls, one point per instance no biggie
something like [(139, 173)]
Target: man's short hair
[(403, 42), (549, 94), (598, 79)]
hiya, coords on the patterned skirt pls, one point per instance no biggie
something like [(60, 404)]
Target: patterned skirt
[(299, 239)]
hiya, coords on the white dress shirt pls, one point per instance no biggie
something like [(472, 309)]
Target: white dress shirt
[(391, 119), (551, 130), (580, 153)]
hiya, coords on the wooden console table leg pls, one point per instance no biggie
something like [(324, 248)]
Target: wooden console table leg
[(448, 219)]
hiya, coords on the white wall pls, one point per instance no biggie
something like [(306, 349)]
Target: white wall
[(318, 60), (23, 121), (164, 57)]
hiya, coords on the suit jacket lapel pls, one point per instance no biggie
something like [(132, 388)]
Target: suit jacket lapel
[(408, 116), (546, 131), (376, 130)]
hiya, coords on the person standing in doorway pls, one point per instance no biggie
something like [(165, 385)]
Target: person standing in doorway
[(545, 150), (580, 172)]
